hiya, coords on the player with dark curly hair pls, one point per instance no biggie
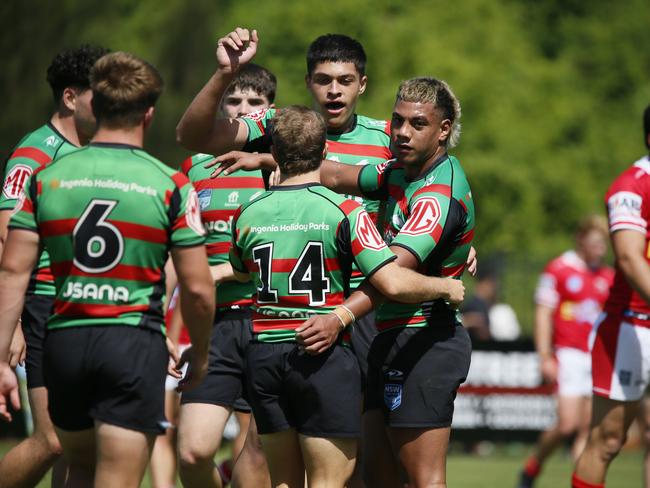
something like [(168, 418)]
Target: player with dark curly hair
[(71, 125)]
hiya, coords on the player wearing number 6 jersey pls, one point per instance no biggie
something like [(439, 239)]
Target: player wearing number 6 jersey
[(298, 242), (117, 214)]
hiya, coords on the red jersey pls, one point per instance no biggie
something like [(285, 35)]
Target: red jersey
[(184, 336), (576, 293), (628, 208)]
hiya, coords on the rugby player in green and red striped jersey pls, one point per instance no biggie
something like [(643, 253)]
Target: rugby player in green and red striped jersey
[(206, 409), (70, 126), (418, 361), (298, 242), (109, 214), (336, 79)]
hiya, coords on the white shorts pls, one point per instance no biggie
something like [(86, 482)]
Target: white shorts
[(574, 372), (171, 383), (621, 358)]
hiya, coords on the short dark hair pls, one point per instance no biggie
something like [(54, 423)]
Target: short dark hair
[(124, 87), (646, 125), (71, 68), (298, 135), (255, 78), (336, 48)]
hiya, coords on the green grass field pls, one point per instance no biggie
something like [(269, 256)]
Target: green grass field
[(500, 470)]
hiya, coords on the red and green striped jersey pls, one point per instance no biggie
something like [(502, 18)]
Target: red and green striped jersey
[(219, 199), (299, 243), (366, 143), (35, 150), (108, 214), (433, 218)]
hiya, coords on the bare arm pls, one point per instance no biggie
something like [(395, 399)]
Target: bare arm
[(199, 129), (5, 216), (341, 178), (397, 281), (629, 249), (19, 258), (544, 341), (196, 293)]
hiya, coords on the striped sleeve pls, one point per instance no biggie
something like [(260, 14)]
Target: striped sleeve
[(428, 212), (368, 248), (24, 211), (373, 181), (20, 166), (185, 216)]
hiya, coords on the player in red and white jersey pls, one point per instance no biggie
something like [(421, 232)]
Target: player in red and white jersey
[(621, 350), (569, 297)]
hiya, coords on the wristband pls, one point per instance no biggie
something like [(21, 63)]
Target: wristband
[(352, 317), (340, 319)]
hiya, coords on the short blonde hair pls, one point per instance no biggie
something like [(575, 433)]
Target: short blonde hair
[(590, 223), (124, 88), (437, 92), (298, 136)]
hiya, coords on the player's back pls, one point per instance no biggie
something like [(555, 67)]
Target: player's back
[(628, 205), (108, 214), (299, 243)]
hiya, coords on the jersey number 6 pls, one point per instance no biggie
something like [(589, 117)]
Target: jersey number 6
[(98, 244)]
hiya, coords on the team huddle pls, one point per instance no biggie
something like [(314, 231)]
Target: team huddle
[(316, 254)]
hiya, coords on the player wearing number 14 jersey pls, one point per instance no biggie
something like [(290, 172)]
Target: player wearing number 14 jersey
[(109, 214), (298, 242)]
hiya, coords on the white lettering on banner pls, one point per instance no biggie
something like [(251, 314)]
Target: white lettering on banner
[(504, 392)]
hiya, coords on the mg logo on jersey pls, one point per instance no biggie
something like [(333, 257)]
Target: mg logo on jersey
[(193, 213), (367, 233), (424, 217), (15, 181)]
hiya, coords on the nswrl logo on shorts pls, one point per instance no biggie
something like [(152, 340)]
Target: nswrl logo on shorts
[(392, 395)]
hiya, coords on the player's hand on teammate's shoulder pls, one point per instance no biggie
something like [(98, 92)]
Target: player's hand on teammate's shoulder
[(235, 160), (455, 291), (197, 368), (8, 391), (318, 333), (236, 49)]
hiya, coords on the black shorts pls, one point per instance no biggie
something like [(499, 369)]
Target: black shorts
[(225, 382), (318, 396), (362, 334), (112, 374), (36, 311), (414, 373)]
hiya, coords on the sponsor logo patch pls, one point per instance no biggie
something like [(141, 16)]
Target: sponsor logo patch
[(193, 213), (367, 232), (15, 181), (424, 217)]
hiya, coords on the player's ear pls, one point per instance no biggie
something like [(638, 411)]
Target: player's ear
[(307, 80), (69, 98), (445, 130), (272, 105), (148, 117), (325, 151), (362, 84)]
